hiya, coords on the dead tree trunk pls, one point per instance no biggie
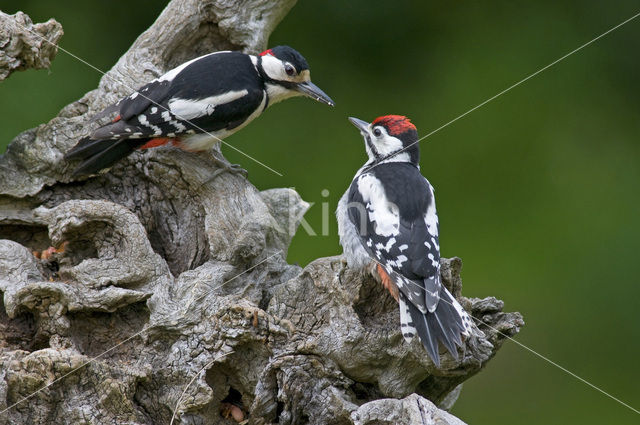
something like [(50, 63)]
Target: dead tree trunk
[(168, 299)]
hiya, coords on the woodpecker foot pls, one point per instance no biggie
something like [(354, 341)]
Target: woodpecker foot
[(237, 169), (225, 167)]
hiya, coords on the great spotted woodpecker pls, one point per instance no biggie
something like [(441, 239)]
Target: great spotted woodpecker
[(197, 104), (387, 223)]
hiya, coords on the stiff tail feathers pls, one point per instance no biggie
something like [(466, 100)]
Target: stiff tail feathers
[(447, 324), (100, 154), (86, 148)]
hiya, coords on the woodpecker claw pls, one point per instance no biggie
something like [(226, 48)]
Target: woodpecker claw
[(225, 168), (237, 169)]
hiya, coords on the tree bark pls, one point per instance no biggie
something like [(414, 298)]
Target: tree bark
[(24, 45), (159, 297)]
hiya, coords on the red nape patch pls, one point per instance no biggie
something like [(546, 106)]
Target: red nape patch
[(267, 52), (387, 282), (395, 124), (158, 141), (116, 119)]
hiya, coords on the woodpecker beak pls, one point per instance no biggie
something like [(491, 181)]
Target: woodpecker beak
[(311, 90), (363, 126)]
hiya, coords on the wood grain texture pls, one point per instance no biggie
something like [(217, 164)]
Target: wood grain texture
[(181, 288)]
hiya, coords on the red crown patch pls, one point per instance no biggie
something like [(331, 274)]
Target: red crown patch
[(267, 52), (395, 124)]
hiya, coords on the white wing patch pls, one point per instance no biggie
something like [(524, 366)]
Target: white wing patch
[(431, 219), (142, 119), (190, 109), (383, 214)]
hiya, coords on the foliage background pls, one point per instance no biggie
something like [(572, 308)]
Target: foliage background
[(537, 191)]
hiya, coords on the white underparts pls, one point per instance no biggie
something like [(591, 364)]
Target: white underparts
[(354, 252)]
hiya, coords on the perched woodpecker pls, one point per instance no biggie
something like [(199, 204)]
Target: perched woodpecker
[(387, 223), (197, 104)]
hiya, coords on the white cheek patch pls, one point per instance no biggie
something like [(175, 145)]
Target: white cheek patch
[(383, 214), (387, 144), (274, 68)]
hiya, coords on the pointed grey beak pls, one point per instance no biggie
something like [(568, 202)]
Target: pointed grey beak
[(363, 126), (311, 90)]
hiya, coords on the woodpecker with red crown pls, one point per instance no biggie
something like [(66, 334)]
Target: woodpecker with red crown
[(387, 222), (197, 104)]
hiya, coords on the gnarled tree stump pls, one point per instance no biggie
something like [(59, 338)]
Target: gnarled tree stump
[(158, 297)]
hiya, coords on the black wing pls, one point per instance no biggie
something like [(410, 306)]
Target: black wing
[(210, 93), (395, 206), (397, 232)]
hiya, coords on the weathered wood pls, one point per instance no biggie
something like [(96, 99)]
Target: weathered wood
[(181, 289), (24, 45)]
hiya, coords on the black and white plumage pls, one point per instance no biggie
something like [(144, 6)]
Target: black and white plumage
[(197, 104), (388, 218)]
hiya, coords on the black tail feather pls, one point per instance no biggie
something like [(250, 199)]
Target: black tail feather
[(427, 336), (99, 155), (443, 325), (87, 147), (447, 338), (456, 325)]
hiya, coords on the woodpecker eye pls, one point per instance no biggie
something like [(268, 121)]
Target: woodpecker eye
[(377, 132), (289, 69)]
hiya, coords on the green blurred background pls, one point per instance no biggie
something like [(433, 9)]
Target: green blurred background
[(537, 191)]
